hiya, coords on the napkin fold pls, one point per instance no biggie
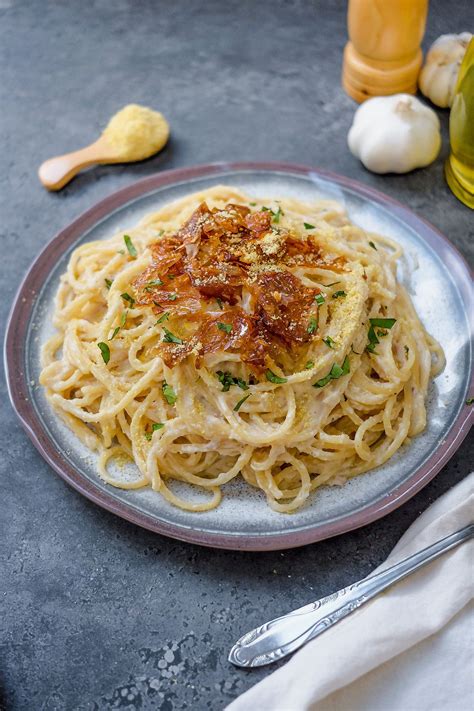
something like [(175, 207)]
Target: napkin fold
[(409, 649)]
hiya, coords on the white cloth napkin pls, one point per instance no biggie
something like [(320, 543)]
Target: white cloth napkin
[(409, 649)]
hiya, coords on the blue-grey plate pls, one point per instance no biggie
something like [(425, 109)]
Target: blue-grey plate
[(439, 283)]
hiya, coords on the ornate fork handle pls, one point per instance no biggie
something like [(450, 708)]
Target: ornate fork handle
[(279, 637)]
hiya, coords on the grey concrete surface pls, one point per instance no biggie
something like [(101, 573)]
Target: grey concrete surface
[(98, 614)]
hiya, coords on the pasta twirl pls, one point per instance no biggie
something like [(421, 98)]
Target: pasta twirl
[(230, 336)]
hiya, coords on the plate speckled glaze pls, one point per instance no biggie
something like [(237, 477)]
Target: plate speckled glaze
[(440, 285)]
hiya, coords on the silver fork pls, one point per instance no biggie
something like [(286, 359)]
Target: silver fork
[(279, 637)]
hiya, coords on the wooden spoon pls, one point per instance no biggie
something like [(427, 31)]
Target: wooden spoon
[(56, 172)]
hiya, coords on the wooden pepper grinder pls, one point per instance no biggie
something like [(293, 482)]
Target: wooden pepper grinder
[(383, 55)]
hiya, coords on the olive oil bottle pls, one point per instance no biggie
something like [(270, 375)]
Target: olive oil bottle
[(459, 167)]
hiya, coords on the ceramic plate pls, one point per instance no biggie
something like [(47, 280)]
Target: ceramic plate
[(440, 285)]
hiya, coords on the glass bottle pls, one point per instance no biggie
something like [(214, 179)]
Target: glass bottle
[(459, 168)]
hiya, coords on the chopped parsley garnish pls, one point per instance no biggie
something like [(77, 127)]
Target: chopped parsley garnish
[(373, 340), (407, 350), (319, 298), (241, 402), (469, 401), (170, 337), (151, 284), (105, 350), (227, 327), (128, 298), (339, 294), (108, 283), (383, 322), (336, 372), (373, 245), (130, 246), (307, 226), (169, 393), (163, 318), (155, 426), (329, 342), (313, 325), (226, 379), (252, 204), (123, 320), (309, 365), (270, 375), (219, 303), (241, 383), (173, 296), (277, 214)]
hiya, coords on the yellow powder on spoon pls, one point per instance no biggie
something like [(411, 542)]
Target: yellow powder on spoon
[(137, 132)]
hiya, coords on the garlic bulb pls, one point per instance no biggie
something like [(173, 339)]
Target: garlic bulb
[(394, 134), (437, 79)]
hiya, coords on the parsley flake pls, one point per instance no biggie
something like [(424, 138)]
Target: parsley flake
[(105, 350), (127, 297), (227, 327), (241, 402), (277, 214), (339, 294), (172, 296), (108, 283), (155, 426), (130, 246), (151, 284), (329, 342), (383, 322), (219, 303), (309, 365), (270, 375), (336, 372), (169, 393), (373, 245), (226, 379), (319, 298), (469, 401), (313, 325), (170, 337), (115, 331), (307, 226), (163, 318)]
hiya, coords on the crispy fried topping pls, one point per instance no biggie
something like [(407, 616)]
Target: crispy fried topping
[(233, 267)]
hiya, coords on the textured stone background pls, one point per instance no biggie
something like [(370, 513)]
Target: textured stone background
[(99, 614)]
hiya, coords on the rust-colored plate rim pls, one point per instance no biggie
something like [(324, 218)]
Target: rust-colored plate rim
[(15, 343)]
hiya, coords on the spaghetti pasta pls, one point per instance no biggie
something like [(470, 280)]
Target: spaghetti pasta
[(228, 336)]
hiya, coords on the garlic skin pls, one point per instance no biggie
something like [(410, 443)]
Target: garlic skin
[(394, 134), (438, 77)]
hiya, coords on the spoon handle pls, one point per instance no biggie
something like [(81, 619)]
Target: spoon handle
[(279, 637), (56, 172)]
